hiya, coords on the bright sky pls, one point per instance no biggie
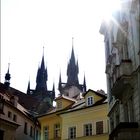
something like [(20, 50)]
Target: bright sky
[(28, 25)]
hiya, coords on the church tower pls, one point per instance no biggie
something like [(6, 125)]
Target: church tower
[(41, 92), (72, 88)]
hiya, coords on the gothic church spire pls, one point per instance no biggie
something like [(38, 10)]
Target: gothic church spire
[(72, 70), (42, 76)]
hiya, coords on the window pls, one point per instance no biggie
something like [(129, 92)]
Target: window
[(99, 127), (57, 130), (72, 133), (88, 129), (9, 114), (14, 118), (37, 134), (59, 104), (111, 124), (90, 101), (25, 128), (46, 133), (31, 131)]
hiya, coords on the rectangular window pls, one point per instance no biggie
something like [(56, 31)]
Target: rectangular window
[(72, 132), (46, 133), (25, 128), (31, 131), (111, 124), (90, 101), (9, 114), (37, 134), (14, 118), (88, 129), (56, 130), (99, 127)]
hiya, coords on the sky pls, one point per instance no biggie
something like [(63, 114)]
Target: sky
[(29, 25)]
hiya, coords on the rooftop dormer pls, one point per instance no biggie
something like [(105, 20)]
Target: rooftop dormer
[(63, 102), (93, 97)]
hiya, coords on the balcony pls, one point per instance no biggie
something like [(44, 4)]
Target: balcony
[(125, 131), (121, 77)]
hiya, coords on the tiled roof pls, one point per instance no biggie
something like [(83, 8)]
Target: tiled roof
[(97, 93), (25, 100), (78, 105), (65, 97)]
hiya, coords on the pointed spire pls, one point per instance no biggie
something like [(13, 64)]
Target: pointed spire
[(53, 92), (42, 62), (72, 41), (42, 76), (7, 77), (72, 71), (59, 84), (77, 66), (84, 84), (28, 88), (53, 89), (8, 68)]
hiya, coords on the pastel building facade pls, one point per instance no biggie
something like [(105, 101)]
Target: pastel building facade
[(81, 119)]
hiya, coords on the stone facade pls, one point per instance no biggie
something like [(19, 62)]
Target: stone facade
[(123, 71)]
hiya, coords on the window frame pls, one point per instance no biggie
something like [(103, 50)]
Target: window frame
[(15, 117), (99, 129), (31, 131), (9, 114), (90, 100), (57, 130), (46, 133), (88, 130), (72, 132), (26, 128)]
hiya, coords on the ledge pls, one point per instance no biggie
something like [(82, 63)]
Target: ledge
[(125, 126), (121, 84)]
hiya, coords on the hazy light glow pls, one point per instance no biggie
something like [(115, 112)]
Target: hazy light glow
[(108, 7), (28, 25)]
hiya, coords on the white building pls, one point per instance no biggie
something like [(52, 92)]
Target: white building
[(16, 123), (122, 51)]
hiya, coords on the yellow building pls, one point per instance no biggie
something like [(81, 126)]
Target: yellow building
[(82, 119)]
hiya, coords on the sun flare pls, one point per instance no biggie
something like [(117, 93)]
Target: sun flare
[(109, 7)]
